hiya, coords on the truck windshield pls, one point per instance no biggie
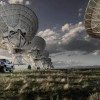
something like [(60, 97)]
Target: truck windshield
[(2, 60)]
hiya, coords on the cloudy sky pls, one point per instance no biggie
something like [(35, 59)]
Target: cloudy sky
[(61, 25)]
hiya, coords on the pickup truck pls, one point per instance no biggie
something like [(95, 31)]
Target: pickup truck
[(6, 65)]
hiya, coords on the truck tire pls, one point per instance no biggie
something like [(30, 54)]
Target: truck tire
[(4, 69), (1, 69)]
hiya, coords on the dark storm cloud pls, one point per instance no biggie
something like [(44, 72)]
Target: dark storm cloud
[(80, 45)]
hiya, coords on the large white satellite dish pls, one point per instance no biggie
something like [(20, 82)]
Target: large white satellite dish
[(37, 47), (92, 18), (18, 24)]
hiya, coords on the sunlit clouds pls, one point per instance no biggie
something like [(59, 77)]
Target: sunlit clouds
[(15, 1), (68, 33), (80, 12), (25, 2)]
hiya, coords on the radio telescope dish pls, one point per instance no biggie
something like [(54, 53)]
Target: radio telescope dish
[(38, 43), (92, 18), (37, 47), (18, 24)]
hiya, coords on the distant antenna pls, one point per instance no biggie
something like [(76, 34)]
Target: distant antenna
[(92, 18), (38, 43)]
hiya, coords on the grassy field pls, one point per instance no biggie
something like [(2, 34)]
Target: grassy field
[(65, 84)]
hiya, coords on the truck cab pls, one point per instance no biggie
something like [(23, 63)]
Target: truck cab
[(6, 65)]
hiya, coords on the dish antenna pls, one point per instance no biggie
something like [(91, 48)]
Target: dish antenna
[(46, 62), (92, 18), (18, 25), (37, 47), (38, 43)]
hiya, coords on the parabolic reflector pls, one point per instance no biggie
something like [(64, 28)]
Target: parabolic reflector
[(15, 19), (38, 43), (92, 18)]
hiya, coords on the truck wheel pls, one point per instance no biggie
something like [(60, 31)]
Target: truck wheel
[(4, 69), (1, 69)]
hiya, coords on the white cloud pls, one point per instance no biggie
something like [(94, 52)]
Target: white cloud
[(73, 32), (27, 3), (80, 12), (80, 23), (65, 27), (96, 52), (71, 38), (55, 39), (49, 35), (80, 9), (87, 38), (15, 1), (52, 36)]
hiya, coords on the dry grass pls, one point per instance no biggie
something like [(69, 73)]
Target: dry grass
[(72, 84)]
